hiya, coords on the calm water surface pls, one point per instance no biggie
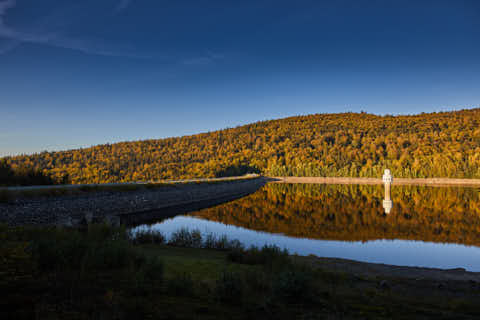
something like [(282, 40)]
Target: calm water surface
[(426, 226)]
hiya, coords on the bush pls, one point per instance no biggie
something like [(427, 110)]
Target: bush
[(55, 254), (147, 276), (269, 256), (184, 238), (258, 280), (148, 236), (181, 285), (105, 232), (221, 243), (196, 239), (230, 287), (293, 285), (99, 248), (210, 241), (111, 254), (153, 270)]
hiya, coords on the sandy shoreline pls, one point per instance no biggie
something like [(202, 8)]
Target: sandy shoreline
[(396, 181)]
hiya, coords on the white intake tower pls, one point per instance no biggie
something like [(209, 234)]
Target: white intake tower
[(387, 181)]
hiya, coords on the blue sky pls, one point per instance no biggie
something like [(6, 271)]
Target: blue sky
[(79, 73)]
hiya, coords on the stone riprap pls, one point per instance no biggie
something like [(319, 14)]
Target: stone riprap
[(128, 206)]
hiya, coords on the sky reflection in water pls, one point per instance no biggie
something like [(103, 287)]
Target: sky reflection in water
[(428, 227)]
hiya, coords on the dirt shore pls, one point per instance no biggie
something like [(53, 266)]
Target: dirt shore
[(379, 270), (396, 181)]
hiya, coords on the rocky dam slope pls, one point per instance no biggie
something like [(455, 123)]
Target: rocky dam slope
[(129, 207)]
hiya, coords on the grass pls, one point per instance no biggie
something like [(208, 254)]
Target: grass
[(269, 255), (5, 196), (104, 273)]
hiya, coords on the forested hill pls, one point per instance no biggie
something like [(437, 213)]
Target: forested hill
[(443, 144)]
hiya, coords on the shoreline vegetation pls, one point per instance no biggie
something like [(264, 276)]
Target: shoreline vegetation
[(107, 273)]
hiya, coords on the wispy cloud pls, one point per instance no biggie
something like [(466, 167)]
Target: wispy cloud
[(56, 39), (8, 46), (4, 6), (203, 60), (122, 5)]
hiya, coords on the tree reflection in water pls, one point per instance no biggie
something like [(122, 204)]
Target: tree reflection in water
[(356, 213)]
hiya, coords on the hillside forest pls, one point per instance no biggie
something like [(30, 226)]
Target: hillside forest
[(24, 176), (445, 144)]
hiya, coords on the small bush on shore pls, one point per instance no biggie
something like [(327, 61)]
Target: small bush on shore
[(181, 285), (268, 255), (294, 285), (147, 276), (148, 236), (186, 238), (87, 252), (230, 287), (194, 239)]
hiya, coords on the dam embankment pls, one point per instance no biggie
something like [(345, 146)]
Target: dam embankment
[(129, 207)]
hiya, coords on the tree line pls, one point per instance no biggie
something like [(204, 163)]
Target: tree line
[(445, 144), (24, 176)]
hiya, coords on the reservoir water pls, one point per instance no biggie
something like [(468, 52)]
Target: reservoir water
[(426, 226)]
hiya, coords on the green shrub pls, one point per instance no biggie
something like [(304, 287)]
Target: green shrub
[(294, 285), (221, 243), (153, 270), (210, 241), (269, 255), (111, 254), (53, 253), (234, 245), (99, 248), (181, 285), (147, 277), (258, 280), (196, 239), (230, 287), (182, 238), (148, 236)]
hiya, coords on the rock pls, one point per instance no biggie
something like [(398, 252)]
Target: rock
[(92, 207)]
